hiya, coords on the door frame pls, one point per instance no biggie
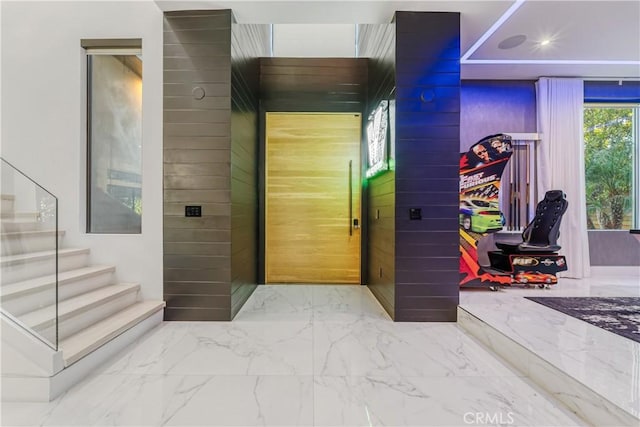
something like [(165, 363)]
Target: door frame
[(262, 157)]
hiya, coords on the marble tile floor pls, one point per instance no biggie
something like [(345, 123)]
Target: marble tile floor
[(606, 363), (301, 356)]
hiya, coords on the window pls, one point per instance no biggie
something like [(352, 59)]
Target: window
[(114, 134), (611, 165)]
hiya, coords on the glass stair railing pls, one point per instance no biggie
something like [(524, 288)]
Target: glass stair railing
[(29, 257)]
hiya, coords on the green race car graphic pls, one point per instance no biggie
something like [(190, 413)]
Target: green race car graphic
[(480, 216)]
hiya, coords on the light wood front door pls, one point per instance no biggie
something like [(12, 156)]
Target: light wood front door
[(312, 198)]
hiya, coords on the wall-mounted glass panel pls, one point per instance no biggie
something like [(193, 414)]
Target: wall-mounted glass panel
[(114, 97)]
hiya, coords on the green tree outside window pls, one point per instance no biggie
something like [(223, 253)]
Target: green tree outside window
[(608, 137)]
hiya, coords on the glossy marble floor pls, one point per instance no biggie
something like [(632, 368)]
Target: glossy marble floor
[(604, 362), (302, 356)]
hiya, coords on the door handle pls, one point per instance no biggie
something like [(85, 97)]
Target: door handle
[(350, 198)]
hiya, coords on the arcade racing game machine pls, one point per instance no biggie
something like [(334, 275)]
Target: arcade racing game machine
[(533, 261)]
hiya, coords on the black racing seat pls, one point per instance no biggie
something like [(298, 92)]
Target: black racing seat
[(541, 235)]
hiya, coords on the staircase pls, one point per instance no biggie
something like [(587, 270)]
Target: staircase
[(53, 335)]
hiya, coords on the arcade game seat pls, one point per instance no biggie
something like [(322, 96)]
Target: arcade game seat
[(535, 259)]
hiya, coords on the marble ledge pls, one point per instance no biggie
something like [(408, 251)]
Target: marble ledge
[(580, 398)]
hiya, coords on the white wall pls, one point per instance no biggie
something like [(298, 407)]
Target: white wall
[(314, 40), (43, 111)]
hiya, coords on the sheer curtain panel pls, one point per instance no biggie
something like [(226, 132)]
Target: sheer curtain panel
[(561, 163)]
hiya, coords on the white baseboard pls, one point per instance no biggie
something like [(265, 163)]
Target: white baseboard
[(82, 368), (26, 389), (45, 389), (25, 355)]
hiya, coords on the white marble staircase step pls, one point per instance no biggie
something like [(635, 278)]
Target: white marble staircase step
[(16, 268), (24, 216), (79, 312), (20, 242), (87, 340), (7, 202), (22, 297), (12, 225)]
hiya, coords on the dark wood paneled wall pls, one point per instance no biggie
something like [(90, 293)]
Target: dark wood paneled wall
[(334, 85), (204, 256), (378, 43), (197, 149), (313, 84), (210, 160), (248, 43), (427, 157)]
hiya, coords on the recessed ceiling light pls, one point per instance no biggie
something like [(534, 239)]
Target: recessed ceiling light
[(513, 41), (545, 42)]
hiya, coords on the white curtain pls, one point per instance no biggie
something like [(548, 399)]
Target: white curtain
[(561, 164)]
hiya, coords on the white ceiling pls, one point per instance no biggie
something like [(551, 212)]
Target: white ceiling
[(589, 38)]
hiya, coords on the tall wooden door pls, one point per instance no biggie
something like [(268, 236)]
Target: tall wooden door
[(312, 211)]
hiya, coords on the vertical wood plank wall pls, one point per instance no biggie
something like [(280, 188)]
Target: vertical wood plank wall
[(427, 158), (248, 43), (199, 156), (333, 85), (378, 43)]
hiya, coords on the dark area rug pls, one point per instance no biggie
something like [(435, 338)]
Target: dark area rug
[(620, 315)]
